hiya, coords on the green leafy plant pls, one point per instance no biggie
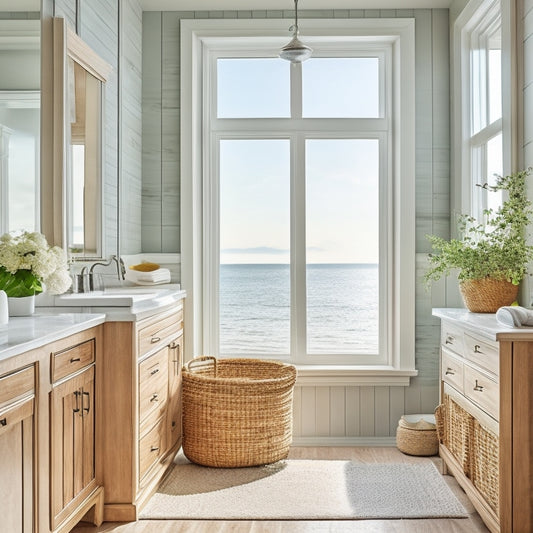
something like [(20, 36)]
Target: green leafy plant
[(27, 263), (495, 248)]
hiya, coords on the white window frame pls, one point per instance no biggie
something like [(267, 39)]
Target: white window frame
[(470, 159), (199, 277)]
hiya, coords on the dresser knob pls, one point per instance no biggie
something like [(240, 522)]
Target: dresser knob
[(450, 372), (449, 339), (477, 349)]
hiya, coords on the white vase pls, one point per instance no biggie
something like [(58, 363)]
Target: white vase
[(23, 306), (4, 312)]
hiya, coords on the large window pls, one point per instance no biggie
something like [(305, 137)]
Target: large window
[(479, 110), (301, 190)]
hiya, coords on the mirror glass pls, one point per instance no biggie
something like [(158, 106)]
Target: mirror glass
[(19, 124), (84, 162)]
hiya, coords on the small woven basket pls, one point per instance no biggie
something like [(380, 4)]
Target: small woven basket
[(487, 295), (417, 438), (237, 412), (458, 426)]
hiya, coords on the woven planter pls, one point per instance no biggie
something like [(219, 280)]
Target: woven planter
[(487, 295), (237, 412)]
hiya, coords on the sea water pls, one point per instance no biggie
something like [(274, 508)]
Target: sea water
[(342, 309)]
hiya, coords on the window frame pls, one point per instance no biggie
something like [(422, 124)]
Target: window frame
[(199, 277), (475, 23)]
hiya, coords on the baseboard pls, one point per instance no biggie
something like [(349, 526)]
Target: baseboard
[(344, 441)]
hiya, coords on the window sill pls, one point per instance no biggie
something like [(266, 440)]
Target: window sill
[(346, 375)]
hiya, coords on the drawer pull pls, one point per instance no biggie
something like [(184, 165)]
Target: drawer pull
[(154, 449), (77, 408), (3, 422), (478, 387), (450, 372), (449, 339), (153, 372), (477, 349), (153, 340), (75, 359), (154, 398), (88, 408)]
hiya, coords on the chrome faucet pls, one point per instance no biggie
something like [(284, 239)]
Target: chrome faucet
[(87, 273)]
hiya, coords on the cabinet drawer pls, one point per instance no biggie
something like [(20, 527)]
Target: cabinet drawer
[(73, 359), (452, 338), (17, 384), (482, 352), (151, 447), (452, 370), (482, 390), (153, 384), (11, 417), (156, 332)]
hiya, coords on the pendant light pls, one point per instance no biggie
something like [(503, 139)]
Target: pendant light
[(295, 51)]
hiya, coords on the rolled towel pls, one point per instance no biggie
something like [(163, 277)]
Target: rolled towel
[(514, 316)]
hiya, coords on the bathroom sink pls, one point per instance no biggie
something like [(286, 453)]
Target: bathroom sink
[(105, 298)]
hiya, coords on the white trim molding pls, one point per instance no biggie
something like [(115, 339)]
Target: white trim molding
[(197, 38)]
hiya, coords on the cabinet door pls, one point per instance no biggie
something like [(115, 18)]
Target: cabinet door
[(72, 442), (175, 361), (16, 466)]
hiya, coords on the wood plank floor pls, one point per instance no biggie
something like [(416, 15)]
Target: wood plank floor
[(472, 524)]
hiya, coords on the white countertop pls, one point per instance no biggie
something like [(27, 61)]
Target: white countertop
[(483, 323), (124, 304), (26, 333)]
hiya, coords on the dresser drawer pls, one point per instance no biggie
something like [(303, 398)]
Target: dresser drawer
[(155, 332), (452, 370), (151, 447), (73, 359), (16, 385), (482, 390), (452, 338), (482, 352), (153, 384)]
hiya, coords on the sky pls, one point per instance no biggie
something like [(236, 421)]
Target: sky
[(341, 175)]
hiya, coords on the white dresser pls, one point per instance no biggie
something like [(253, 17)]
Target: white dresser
[(487, 406)]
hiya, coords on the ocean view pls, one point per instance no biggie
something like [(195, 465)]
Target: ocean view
[(342, 309)]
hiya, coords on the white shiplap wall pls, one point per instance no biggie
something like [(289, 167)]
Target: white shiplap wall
[(113, 30), (527, 18), (323, 414)]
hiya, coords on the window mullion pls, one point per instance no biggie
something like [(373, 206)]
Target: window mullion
[(298, 257), (296, 90)]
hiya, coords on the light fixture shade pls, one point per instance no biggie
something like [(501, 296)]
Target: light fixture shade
[(295, 51)]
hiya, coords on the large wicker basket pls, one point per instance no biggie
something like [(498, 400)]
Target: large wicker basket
[(487, 295), (237, 412)]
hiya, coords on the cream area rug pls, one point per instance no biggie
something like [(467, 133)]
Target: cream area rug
[(304, 490)]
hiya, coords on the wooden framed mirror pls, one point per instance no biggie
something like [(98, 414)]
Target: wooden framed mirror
[(72, 214)]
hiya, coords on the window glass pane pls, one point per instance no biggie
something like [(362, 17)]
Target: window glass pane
[(495, 84), (78, 204), (22, 180), (341, 87), (254, 247), (494, 169), (253, 88), (342, 232)]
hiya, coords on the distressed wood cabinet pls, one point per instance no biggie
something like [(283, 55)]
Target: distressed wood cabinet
[(142, 399), (17, 449), (487, 394)]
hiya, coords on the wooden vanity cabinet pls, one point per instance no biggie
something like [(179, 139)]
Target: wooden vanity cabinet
[(487, 400), (142, 404), (17, 450), (74, 488)]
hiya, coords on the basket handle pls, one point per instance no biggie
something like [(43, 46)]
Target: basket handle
[(200, 363)]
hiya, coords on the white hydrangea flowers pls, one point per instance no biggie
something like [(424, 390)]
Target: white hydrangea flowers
[(27, 263)]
